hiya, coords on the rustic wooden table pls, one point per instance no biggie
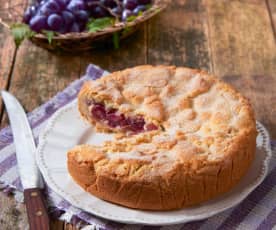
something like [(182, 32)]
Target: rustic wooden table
[(234, 39)]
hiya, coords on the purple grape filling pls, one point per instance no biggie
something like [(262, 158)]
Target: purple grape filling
[(114, 119)]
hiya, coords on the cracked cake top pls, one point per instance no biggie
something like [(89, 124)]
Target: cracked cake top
[(199, 118)]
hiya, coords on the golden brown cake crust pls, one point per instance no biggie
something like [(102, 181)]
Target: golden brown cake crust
[(206, 144)]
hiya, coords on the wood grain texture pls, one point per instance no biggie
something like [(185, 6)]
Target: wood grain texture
[(49, 73), (36, 209), (244, 52), (13, 215), (7, 55), (179, 36), (38, 75), (70, 227), (56, 225), (7, 51), (132, 52), (233, 39), (271, 4)]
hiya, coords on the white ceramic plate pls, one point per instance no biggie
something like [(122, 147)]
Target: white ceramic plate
[(66, 129)]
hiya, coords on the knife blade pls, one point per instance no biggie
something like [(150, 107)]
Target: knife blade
[(30, 176)]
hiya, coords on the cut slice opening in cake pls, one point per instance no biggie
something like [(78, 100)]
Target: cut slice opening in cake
[(175, 142), (114, 119)]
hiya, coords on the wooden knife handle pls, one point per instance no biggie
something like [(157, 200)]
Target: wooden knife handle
[(36, 209)]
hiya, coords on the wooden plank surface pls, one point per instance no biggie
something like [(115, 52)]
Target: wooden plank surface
[(12, 213), (37, 75), (244, 53), (50, 73), (271, 4), (180, 36), (132, 52), (7, 56), (233, 39)]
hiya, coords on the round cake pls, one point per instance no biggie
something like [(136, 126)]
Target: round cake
[(182, 137)]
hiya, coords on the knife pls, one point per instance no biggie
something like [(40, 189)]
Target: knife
[(30, 176)]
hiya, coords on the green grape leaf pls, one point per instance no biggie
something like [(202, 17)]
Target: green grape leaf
[(100, 23), (133, 17), (49, 35), (116, 40), (21, 31)]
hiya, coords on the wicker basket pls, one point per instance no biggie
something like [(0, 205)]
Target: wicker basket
[(76, 42)]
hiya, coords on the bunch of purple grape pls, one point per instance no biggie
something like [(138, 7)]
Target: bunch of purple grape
[(64, 16)]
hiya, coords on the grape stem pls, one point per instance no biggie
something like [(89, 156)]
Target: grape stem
[(118, 3), (107, 8)]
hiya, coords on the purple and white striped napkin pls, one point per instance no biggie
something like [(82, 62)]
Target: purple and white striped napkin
[(257, 211)]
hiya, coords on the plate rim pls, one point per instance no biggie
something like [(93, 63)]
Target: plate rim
[(134, 220)]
